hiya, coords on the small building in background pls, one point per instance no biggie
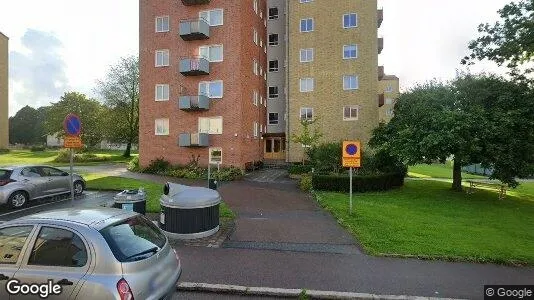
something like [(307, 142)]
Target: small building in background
[(388, 93), (4, 95)]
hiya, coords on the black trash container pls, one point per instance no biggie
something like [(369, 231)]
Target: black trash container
[(132, 200), (189, 212), (212, 184)]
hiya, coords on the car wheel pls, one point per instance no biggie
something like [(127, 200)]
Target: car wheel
[(78, 188), (18, 199)]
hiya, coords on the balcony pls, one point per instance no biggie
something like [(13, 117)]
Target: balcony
[(381, 100), (381, 72), (380, 45), (194, 140), (195, 2), (194, 66), (194, 103), (197, 29), (380, 17)]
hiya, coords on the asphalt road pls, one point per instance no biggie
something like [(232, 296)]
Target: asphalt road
[(213, 296)]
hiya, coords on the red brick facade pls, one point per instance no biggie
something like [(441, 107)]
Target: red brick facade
[(236, 70)]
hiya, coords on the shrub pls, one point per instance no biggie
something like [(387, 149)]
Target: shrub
[(37, 148), (4, 151), (133, 164), (305, 183), (158, 166), (326, 158), (360, 183), (299, 169), (228, 174), (64, 157)]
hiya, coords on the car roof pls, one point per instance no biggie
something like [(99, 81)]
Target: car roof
[(83, 216)]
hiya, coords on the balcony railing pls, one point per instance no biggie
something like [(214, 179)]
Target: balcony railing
[(380, 17), (193, 66), (194, 103), (381, 72), (380, 45), (195, 2), (194, 140), (197, 29), (381, 100)]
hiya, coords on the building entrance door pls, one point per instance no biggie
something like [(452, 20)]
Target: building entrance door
[(275, 148)]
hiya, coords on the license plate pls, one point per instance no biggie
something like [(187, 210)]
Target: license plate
[(128, 207)]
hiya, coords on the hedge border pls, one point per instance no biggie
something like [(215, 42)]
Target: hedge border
[(360, 183)]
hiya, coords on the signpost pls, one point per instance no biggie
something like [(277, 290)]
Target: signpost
[(73, 127), (352, 159)]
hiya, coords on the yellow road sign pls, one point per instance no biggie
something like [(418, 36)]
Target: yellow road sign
[(351, 162), (351, 149), (72, 142)]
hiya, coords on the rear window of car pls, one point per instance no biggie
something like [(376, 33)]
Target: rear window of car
[(134, 239), (5, 174)]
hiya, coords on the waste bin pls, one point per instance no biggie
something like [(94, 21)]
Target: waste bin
[(189, 212), (132, 200), (212, 184)]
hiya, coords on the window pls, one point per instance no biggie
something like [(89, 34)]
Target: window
[(162, 58), (273, 66), (273, 92), (389, 101), (273, 118), (261, 71), (306, 25), (58, 247), (273, 13), (350, 20), (50, 172), (350, 51), (306, 1), (162, 92), (261, 43), (350, 112), (350, 82), (255, 97), (273, 39), (12, 239), (130, 240), (261, 99), (255, 36), (388, 89), (213, 53), (306, 84), (255, 129), (162, 126), (261, 14), (212, 89), (256, 6), (215, 155), (306, 113), (389, 112), (162, 24), (28, 172), (213, 17), (212, 125), (306, 55), (255, 67)]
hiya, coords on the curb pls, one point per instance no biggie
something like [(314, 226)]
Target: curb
[(290, 293)]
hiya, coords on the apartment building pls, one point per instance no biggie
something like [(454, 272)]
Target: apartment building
[(203, 81), (329, 54), (388, 90), (4, 101)]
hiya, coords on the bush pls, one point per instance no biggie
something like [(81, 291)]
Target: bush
[(158, 166), (305, 183), (299, 169), (326, 158), (64, 157), (37, 148), (133, 165), (4, 151), (228, 174), (360, 183)]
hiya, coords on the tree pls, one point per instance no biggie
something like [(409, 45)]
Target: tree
[(120, 91), (26, 126), (475, 119), (306, 137), (509, 40), (90, 112)]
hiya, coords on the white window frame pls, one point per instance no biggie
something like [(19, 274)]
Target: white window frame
[(389, 89), (162, 52), (306, 109), (343, 20), (273, 44), (209, 83), (274, 17), (255, 66), (307, 51), (349, 88), (306, 1), (306, 88), (255, 6), (351, 107), (255, 129), (350, 57), (271, 70), (162, 86), (312, 25), (211, 149), (277, 118), (255, 97), (390, 112), (388, 101), (165, 125), (162, 18), (209, 47), (210, 130), (255, 36), (269, 92), (209, 12)]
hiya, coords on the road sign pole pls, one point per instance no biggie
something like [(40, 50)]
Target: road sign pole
[(71, 179), (350, 172)]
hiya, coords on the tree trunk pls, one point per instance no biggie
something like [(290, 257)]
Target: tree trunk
[(457, 175), (128, 150)]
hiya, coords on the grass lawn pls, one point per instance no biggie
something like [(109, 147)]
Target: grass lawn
[(26, 157), (437, 171), (428, 220), (153, 190)]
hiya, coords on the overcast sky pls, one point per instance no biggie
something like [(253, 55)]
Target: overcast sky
[(63, 45)]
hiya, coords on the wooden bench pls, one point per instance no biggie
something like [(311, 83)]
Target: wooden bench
[(501, 188)]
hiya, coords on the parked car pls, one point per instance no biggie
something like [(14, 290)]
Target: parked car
[(19, 185), (100, 253)]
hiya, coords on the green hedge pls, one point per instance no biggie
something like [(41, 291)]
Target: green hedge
[(299, 169), (360, 183)]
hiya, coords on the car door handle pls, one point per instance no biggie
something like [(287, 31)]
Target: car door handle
[(64, 282), (3, 277)]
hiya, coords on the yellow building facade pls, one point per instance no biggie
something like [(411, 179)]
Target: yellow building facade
[(4, 107), (388, 89)]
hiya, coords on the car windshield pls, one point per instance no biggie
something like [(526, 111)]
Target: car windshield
[(5, 174), (133, 239)]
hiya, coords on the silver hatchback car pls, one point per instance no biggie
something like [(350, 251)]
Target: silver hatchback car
[(100, 253), (19, 185)]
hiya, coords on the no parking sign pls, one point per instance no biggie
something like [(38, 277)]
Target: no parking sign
[(351, 154)]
